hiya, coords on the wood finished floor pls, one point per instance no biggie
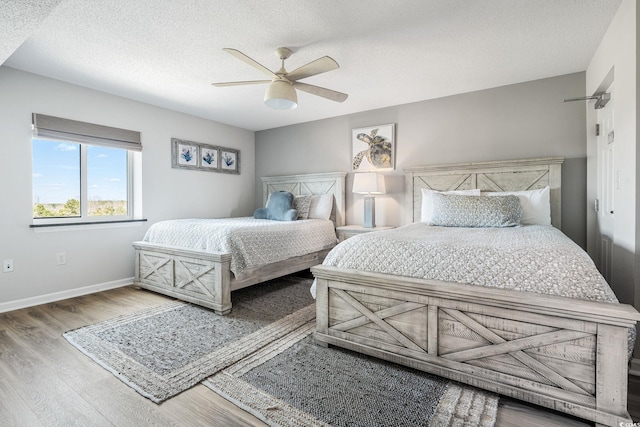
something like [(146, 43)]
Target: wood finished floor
[(44, 381)]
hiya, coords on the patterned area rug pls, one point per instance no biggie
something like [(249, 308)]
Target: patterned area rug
[(262, 357), (162, 351), (293, 382)]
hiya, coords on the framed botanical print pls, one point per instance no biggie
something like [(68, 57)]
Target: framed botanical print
[(194, 155), (229, 160), (184, 154), (209, 158)]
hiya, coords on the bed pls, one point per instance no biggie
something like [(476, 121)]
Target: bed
[(562, 353), (205, 277)]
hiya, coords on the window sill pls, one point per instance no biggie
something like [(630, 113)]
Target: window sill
[(68, 226)]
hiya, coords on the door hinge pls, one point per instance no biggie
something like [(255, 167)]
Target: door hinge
[(597, 129), (596, 205)]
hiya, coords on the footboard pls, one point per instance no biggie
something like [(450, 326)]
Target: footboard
[(564, 354), (197, 277)]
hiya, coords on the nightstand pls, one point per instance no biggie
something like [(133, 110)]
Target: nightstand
[(347, 231)]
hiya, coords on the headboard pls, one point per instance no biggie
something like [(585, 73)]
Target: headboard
[(310, 184), (508, 175)]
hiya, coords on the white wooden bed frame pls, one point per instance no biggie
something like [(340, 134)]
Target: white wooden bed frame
[(564, 354), (204, 278)]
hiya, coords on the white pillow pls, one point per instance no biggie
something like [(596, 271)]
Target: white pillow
[(426, 213), (535, 204), (321, 206)]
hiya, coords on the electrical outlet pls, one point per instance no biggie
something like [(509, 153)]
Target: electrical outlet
[(7, 265), (61, 258)]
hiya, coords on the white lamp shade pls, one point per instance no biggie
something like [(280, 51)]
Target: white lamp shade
[(280, 95), (368, 183)]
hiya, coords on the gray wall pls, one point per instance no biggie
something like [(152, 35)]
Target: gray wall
[(518, 121)]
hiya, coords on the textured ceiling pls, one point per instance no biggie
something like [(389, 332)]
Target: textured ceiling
[(18, 19), (391, 52)]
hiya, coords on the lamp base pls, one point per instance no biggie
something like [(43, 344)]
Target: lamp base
[(369, 212)]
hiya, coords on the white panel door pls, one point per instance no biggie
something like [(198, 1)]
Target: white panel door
[(605, 187)]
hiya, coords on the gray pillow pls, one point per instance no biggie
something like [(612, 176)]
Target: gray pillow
[(302, 204), (471, 211), (279, 207)]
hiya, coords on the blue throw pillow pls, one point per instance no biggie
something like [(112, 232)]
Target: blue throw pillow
[(279, 207)]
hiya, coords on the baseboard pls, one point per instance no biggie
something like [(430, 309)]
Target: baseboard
[(634, 369), (57, 296)]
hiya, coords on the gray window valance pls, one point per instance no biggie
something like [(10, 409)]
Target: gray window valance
[(85, 133)]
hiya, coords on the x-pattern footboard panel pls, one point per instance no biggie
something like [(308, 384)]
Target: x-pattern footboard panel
[(557, 360), (156, 267), (191, 273)]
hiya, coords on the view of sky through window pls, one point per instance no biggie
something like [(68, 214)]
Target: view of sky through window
[(56, 171), (106, 173), (57, 178)]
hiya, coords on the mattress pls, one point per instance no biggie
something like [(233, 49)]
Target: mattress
[(251, 242)]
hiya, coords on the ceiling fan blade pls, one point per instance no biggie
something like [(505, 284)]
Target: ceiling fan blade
[(320, 65), (244, 58), (250, 82), (320, 91)]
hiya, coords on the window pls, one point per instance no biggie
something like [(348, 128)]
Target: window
[(83, 172)]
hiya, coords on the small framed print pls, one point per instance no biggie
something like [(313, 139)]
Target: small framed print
[(229, 160), (209, 157), (184, 154), (194, 155)]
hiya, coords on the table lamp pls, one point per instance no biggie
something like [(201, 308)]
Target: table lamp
[(369, 184)]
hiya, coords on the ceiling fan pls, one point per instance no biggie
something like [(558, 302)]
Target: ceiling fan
[(281, 93)]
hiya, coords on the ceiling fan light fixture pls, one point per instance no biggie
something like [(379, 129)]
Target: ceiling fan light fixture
[(281, 95), (281, 92)]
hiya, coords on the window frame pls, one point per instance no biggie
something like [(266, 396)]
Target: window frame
[(48, 128)]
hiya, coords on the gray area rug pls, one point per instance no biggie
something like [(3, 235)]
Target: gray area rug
[(162, 351), (294, 382)]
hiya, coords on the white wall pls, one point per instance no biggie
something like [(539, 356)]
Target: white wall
[(102, 257), (617, 52), (518, 121)]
